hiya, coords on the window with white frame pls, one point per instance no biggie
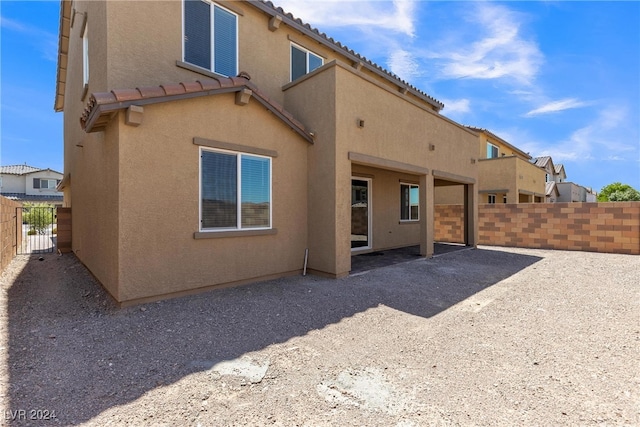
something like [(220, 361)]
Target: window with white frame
[(409, 202), (85, 55), (492, 151), (491, 198), (45, 184), (303, 61), (235, 191), (211, 37)]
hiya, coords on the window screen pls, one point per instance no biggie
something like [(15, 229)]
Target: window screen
[(197, 33), (298, 63), (219, 190), (225, 53)]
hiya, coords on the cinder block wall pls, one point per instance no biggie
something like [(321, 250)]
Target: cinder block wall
[(449, 223), (612, 227), (9, 238), (595, 227)]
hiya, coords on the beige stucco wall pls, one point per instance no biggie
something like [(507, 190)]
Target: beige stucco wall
[(388, 230), (395, 130), (264, 54), (509, 173), (135, 189), (503, 149), (159, 198)]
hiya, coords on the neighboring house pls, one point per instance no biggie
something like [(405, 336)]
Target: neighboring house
[(25, 183), (505, 173), (570, 192), (551, 192), (211, 143), (546, 163), (559, 173)]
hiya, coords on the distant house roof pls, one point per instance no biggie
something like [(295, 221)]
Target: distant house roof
[(493, 135), (266, 7), (103, 105), (559, 168), (22, 197), (542, 161), (21, 170)]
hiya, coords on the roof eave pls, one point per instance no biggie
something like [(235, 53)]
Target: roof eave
[(63, 51), (337, 46)]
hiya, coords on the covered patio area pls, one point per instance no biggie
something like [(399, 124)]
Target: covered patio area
[(378, 259)]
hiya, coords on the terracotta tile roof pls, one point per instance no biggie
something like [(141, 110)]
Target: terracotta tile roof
[(493, 135), (18, 169), (102, 106), (322, 38)]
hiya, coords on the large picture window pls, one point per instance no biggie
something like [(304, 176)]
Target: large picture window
[(235, 191), (409, 202), (303, 62), (211, 37)]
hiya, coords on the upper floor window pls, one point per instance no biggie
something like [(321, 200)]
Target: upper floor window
[(491, 198), (492, 151), (409, 206), (235, 191), (85, 56), (303, 61), (211, 37), (43, 183)]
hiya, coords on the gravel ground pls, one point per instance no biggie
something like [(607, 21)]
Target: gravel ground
[(493, 336)]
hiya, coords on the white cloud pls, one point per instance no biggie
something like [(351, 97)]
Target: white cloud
[(560, 105), (403, 64), (456, 106), (396, 16), (42, 40), (606, 138), (500, 52)]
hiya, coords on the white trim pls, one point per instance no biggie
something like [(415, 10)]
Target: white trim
[(85, 55), (410, 184), (238, 226), (369, 214)]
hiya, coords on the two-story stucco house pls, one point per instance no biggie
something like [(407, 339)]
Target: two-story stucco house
[(505, 173), (26, 183), (211, 143)]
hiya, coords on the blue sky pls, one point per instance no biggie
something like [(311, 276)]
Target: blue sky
[(553, 78)]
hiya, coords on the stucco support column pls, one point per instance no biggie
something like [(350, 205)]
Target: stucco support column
[(427, 218), (470, 215)]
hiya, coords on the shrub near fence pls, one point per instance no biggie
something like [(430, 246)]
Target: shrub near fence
[(9, 238), (612, 227)]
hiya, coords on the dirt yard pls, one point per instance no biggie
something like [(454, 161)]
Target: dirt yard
[(492, 336)]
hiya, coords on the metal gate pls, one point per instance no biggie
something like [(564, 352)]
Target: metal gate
[(37, 229)]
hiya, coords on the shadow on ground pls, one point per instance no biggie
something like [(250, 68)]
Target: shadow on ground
[(72, 351)]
